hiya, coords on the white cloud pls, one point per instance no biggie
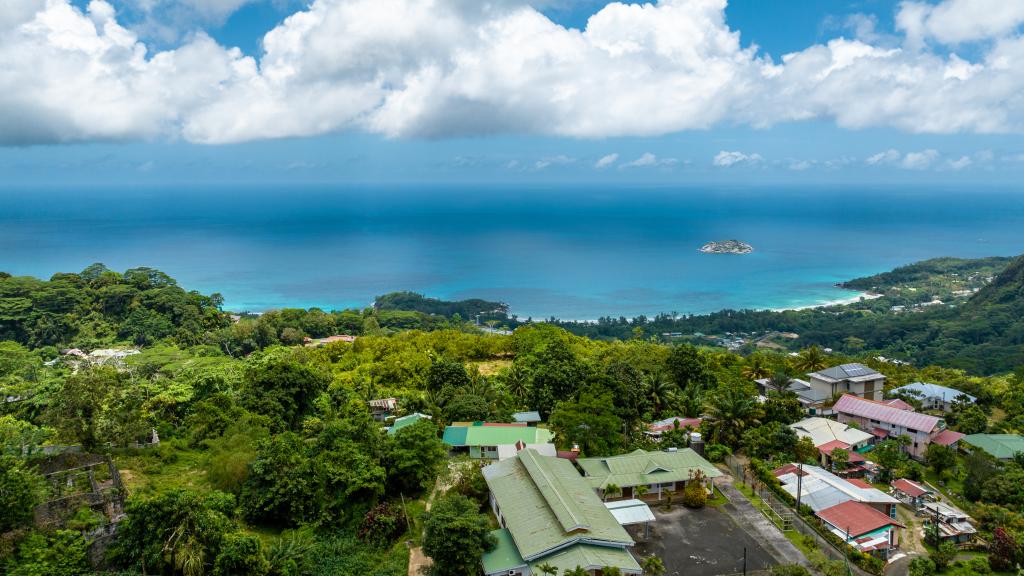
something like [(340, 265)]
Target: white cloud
[(559, 160), (910, 161), (956, 21), (726, 158), (606, 161), (649, 160), (412, 68), (800, 165), (959, 163)]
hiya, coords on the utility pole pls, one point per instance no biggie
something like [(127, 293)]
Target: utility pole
[(799, 485), (744, 561)]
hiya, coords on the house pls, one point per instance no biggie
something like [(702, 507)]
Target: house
[(855, 379), (854, 461), (862, 527), (548, 514), (934, 396), (821, 489), (527, 417), (382, 408), (657, 471), (1000, 446), (483, 439), (821, 431), (954, 525), (404, 421), (911, 493), (884, 421), (813, 400), (656, 429)]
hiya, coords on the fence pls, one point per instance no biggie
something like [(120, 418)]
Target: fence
[(796, 522)]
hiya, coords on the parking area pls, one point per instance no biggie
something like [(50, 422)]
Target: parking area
[(704, 542)]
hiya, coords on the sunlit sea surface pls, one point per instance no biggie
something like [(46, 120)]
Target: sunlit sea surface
[(571, 252)]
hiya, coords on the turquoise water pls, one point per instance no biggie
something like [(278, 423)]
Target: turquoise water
[(575, 253)]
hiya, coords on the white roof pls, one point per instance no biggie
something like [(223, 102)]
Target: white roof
[(928, 390), (630, 512), (822, 431), (822, 489), (509, 450)]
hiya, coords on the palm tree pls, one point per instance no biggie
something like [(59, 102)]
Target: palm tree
[(660, 391), (691, 401), (546, 568), (517, 383), (577, 571), (653, 566), (810, 360), (611, 571), (756, 368), (611, 489), (779, 381), (729, 412), (640, 490)]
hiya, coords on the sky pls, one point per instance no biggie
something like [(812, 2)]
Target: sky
[(512, 91)]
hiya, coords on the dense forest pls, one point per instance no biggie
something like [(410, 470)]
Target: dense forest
[(236, 446)]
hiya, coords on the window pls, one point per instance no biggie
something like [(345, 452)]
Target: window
[(911, 430)]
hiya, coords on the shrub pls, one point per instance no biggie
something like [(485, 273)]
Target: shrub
[(716, 452), (240, 554), (922, 566), (979, 565), (790, 570), (382, 525), (694, 494)]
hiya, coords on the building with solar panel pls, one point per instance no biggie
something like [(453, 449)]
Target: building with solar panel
[(855, 379)]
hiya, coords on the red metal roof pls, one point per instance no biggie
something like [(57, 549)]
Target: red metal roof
[(856, 518), (880, 433), (831, 445), (859, 483), (683, 423), (568, 454), (862, 408), (897, 403), (787, 469), (909, 487), (947, 437)]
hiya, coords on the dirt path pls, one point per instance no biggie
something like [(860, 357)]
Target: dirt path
[(418, 562), (910, 537)]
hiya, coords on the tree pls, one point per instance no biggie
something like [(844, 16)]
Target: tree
[(577, 571), (890, 455), (278, 488), (240, 554), (611, 491), (756, 368), (455, 536), (653, 566), (688, 368), (283, 389), (19, 493), (80, 402), (940, 458), (810, 360), (589, 422), (444, 373), (729, 412), (548, 569), (922, 566), (840, 459), (415, 456), (943, 555), (611, 571), (63, 553), (1004, 552), (972, 420), (980, 468), (640, 489)]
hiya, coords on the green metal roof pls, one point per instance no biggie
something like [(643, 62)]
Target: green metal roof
[(480, 435), (547, 505), (406, 421), (505, 556), (1002, 446), (642, 467), (589, 558)]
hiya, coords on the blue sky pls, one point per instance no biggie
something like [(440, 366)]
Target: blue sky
[(677, 92)]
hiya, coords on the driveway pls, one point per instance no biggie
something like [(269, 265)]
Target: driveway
[(704, 542)]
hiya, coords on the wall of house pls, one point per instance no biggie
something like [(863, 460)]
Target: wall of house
[(918, 440)]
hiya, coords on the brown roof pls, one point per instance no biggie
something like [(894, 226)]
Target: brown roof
[(948, 437), (856, 518), (910, 488)]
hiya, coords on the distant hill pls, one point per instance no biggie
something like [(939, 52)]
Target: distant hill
[(926, 271), (466, 309)]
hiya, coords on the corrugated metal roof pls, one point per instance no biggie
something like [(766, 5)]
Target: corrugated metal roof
[(526, 416), (629, 512), (823, 430), (503, 557), (856, 518), (406, 421), (873, 410), (822, 489), (542, 499), (929, 390), (495, 435), (590, 558), (1002, 446), (643, 467), (909, 487), (948, 437)]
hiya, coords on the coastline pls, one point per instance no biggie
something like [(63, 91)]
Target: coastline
[(839, 302)]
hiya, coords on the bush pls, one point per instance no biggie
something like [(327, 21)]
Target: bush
[(922, 566), (382, 525), (716, 452), (790, 570), (694, 494), (240, 554), (64, 553)]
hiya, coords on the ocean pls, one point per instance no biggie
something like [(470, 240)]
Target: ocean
[(573, 252)]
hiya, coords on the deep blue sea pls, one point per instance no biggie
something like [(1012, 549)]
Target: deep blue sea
[(572, 252)]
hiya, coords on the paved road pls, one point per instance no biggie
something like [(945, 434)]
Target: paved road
[(760, 528)]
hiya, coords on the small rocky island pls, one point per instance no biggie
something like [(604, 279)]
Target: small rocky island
[(727, 247)]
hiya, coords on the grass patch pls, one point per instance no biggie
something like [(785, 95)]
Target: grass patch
[(717, 498), (492, 367), (154, 470)]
